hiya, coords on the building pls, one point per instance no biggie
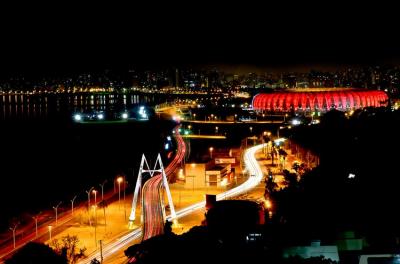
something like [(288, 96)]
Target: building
[(314, 250), (217, 175), (321, 99)]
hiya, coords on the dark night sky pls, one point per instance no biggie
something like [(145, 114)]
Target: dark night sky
[(36, 39)]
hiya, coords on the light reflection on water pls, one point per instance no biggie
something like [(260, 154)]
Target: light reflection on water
[(24, 106)]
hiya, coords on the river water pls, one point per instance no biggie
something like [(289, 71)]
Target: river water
[(47, 158)]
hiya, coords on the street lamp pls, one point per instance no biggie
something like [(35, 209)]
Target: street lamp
[(251, 130), (88, 196), (72, 204), (95, 196), (216, 130), (119, 180), (281, 127), (95, 224), (125, 182), (211, 150), (102, 189), (56, 209), (36, 223), (194, 115), (13, 231)]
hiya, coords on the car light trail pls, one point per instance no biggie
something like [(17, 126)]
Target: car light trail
[(153, 213), (255, 178)]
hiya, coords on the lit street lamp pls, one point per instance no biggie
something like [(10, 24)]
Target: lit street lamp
[(211, 150), (119, 180), (56, 209), (72, 204), (95, 223), (216, 130), (13, 231), (281, 127), (251, 130), (125, 182), (88, 194), (95, 196)]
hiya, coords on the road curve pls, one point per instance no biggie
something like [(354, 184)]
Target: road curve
[(153, 212), (252, 167)]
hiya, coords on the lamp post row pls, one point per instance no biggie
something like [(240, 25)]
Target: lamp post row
[(36, 217)]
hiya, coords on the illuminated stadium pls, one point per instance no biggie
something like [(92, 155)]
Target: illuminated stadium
[(321, 99)]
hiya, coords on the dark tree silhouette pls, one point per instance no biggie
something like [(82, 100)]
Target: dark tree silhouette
[(36, 253)]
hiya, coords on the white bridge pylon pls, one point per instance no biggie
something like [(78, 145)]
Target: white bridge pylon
[(138, 187)]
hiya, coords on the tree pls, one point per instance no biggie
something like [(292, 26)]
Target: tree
[(37, 253), (290, 178), (68, 247), (94, 261), (270, 185)]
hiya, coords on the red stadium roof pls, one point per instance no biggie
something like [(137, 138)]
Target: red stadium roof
[(341, 99)]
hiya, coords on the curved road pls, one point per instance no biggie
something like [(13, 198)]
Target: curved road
[(129, 237), (153, 214)]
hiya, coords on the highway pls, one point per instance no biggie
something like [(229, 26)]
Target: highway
[(130, 237), (153, 219), (44, 220), (153, 213)]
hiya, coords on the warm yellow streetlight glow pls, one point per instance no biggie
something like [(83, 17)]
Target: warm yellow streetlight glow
[(50, 226), (211, 150), (267, 133), (268, 204), (119, 180), (95, 196), (180, 174)]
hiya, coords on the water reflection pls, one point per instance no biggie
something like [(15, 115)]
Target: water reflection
[(25, 106)]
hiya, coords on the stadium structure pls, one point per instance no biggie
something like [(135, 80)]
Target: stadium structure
[(320, 99)]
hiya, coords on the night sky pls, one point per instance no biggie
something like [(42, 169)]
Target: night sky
[(40, 39)]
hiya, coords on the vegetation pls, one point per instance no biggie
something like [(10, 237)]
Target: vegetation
[(68, 246), (37, 253), (320, 204)]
